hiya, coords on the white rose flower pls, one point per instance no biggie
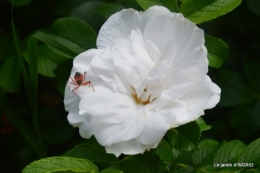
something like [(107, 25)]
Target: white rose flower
[(149, 74)]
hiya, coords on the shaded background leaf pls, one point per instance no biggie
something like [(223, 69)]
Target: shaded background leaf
[(92, 151), (181, 138), (217, 51), (204, 10)]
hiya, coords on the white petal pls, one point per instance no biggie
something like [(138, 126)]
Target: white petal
[(152, 50), (215, 97), (85, 130), (82, 122), (131, 58), (158, 122), (199, 95), (152, 12), (103, 66), (111, 107), (130, 147), (83, 60), (71, 102), (107, 134), (176, 85), (82, 64), (194, 70), (118, 25), (173, 28)]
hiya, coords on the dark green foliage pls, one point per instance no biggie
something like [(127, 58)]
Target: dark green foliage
[(55, 164), (204, 10), (217, 51), (143, 163), (40, 39), (183, 139), (92, 151)]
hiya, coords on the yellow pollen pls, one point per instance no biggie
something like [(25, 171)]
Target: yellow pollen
[(138, 100)]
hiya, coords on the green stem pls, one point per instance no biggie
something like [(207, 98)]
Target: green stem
[(30, 86), (33, 69)]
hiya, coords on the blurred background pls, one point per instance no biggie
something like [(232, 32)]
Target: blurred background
[(237, 116)]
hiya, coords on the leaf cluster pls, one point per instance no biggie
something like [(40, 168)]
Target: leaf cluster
[(176, 153), (43, 58)]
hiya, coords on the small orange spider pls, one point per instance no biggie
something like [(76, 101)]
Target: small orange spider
[(79, 81)]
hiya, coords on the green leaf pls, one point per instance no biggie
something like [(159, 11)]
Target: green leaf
[(164, 151), (217, 51), (170, 4), (45, 62), (10, 75), (203, 126), (62, 46), (185, 137), (204, 10), (251, 153), (256, 171), (20, 2), (230, 151), (63, 71), (234, 91), (143, 163), (69, 44), (54, 164), (204, 156), (92, 151), (145, 4), (184, 157), (111, 170), (75, 31), (45, 65)]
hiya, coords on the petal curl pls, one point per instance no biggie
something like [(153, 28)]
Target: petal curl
[(118, 25), (82, 122), (103, 66), (152, 12), (127, 147), (200, 94), (82, 64), (174, 28), (112, 107), (130, 57), (194, 70), (108, 134), (158, 122)]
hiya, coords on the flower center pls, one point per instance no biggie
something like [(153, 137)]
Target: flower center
[(138, 100)]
